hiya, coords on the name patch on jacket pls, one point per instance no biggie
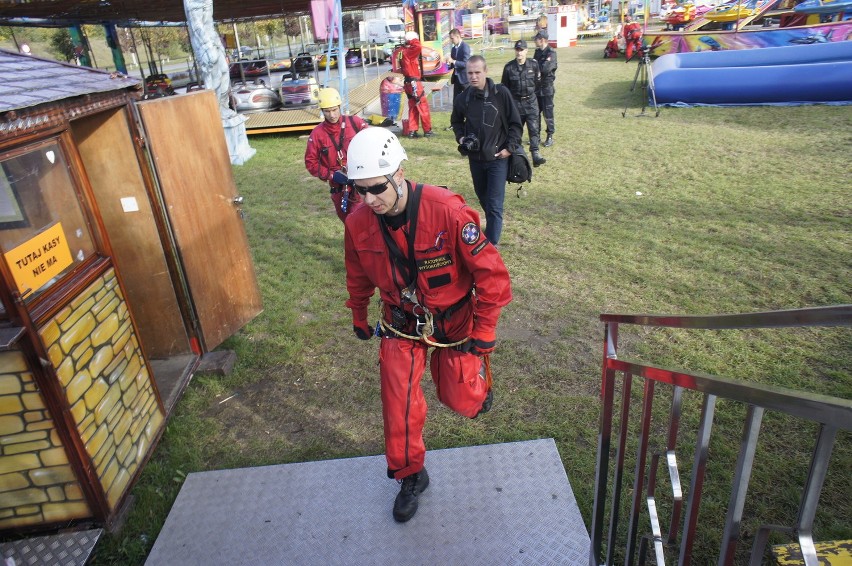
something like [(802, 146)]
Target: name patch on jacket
[(434, 262)]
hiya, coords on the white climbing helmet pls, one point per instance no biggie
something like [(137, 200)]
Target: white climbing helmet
[(374, 152)]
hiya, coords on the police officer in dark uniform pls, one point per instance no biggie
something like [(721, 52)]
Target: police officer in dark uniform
[(521, 76), (546, 59)]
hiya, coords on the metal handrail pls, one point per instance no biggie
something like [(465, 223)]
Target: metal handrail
[(839, 315), (831, 414), (802, 404)]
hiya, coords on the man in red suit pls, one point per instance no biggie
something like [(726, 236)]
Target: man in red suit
[(412, 70), (442, 286), (632, 32), (326, 150)]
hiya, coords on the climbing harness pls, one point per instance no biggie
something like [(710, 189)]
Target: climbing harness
[(424, 328)]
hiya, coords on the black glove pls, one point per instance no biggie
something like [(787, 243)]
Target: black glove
[(477, 347), (362, 330)]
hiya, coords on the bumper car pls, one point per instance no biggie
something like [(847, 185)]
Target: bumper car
[(325, 62), (255, 96), (280, 65), (158, 85), (353, 57), (387, 51), (250, 69), (303, 63), (299, 92)]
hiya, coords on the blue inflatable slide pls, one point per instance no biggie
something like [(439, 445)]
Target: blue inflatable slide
[(796, 74)]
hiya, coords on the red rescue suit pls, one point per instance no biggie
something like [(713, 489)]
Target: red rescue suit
[(418, 104), (633, 38), (326, 153), (461, 280)]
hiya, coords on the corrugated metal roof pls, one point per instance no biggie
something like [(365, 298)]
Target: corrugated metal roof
[(66, 12), (27, 81)]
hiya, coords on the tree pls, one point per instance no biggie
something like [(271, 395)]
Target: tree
[(292, 27), (61, 45)]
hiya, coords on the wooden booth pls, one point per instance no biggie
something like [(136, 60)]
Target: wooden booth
[(125, 261)]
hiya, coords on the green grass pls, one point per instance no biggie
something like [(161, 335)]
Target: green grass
[(742, 210)]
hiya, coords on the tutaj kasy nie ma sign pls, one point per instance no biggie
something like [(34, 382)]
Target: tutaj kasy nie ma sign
[(38, 260)]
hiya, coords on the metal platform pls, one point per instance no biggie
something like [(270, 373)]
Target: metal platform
[(65, 549), (486, 505), (305, 118)]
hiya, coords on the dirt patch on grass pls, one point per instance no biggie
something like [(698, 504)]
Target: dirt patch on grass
[(291, 412)]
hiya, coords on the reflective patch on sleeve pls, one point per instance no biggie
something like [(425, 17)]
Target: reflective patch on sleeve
[(480, 247), (470, 233)]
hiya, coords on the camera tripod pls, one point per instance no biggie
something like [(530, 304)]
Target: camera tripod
[(645, 79)]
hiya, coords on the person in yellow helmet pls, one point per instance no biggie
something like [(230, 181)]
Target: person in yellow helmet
[(327, 147)]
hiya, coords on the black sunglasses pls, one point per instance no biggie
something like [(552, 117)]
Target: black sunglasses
[(373, 190)]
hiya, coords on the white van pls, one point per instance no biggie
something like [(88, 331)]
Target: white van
[(385, 30)]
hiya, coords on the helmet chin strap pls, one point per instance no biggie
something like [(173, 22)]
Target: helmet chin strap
[(398, 189)]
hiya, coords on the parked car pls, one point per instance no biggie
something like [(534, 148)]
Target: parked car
[(254, 96), (303, 63)]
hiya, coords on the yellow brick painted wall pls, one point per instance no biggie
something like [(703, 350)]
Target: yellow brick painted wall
[(97, 358), (37, 484)]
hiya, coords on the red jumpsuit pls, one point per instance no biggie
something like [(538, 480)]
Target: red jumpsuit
[(418, 104), (632, 38), (453, 258), (326, 153)]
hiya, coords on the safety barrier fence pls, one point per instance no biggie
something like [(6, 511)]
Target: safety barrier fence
[(615, 542)]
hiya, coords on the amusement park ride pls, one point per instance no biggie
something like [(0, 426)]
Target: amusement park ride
[(747, 24)]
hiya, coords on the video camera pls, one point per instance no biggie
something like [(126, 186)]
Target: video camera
[(643, 52), (469, 144)]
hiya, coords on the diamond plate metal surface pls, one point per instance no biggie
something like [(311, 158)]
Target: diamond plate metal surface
[(490, 505), (66, 549)]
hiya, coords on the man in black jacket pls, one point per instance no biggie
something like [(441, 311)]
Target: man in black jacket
[(545, 56), (488, 129), (521, 76)]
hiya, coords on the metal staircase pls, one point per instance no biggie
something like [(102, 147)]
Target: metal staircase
[(654, 437)]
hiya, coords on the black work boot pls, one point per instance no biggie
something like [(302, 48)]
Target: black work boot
[(549, 141), (405, 505), (486, 405), (489, 397), (537, 158)]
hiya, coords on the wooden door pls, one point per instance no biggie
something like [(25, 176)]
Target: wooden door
[(187, 145)]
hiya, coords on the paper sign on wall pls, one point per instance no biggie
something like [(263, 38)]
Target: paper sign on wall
[(39, 259)]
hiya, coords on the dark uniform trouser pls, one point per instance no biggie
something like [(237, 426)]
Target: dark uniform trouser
[(528, 108), (545, 104), (457, 87)]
